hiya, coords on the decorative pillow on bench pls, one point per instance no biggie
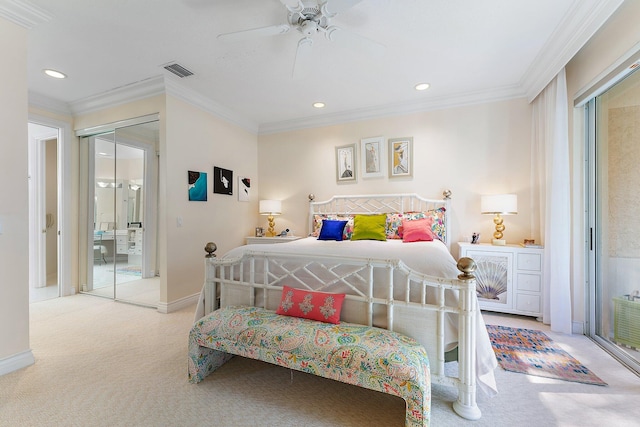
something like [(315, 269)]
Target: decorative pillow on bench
[(320, 306)]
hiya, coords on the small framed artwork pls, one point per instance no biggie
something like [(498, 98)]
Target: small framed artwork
[(400, 157), (197, 186), (372, 157), (259, 232), (346, 163), (222, 181), (244, 185)]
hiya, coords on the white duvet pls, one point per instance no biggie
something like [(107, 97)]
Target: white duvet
[(432, 258)]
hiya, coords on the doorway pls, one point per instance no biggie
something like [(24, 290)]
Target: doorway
[(119, 198), (44, 257)]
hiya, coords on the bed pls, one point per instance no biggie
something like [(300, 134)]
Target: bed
[(411, 288)]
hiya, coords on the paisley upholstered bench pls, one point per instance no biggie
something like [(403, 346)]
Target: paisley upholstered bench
[(364, 356)]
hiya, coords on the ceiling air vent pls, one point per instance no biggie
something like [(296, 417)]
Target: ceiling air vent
[(178, 70)]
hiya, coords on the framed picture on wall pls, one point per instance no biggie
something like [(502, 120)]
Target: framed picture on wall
[(400, 157), (372, 157), (244, 185), (197, 186), (346, 163), (222, 181)]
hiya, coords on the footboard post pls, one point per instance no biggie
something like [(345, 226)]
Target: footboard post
[(466, 405), (210, 291)]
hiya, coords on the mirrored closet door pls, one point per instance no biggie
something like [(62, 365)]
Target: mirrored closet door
[(120, 222)]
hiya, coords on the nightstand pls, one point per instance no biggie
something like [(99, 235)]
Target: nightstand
[(276, 239), (509, 278)]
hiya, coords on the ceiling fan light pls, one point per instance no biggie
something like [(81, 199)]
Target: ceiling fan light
[(422, 86)]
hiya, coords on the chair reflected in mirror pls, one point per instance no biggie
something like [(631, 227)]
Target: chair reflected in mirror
[(99, 249)]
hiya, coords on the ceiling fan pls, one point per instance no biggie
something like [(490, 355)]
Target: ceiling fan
[(310, 17)]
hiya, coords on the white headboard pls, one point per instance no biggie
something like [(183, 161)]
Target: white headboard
[(381, 203)]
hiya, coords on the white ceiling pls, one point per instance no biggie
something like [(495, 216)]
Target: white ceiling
[(468, 50)]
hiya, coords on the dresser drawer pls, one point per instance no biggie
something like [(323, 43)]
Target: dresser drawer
[(531, 262), (529, 282), (528, 303)]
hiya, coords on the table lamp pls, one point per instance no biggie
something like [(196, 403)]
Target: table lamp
[(270, 208), (499, 204)]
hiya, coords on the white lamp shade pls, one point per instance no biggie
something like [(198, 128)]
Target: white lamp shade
[(504, 204), (270, 207)]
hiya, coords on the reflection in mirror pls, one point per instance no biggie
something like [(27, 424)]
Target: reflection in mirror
[(118, 214)]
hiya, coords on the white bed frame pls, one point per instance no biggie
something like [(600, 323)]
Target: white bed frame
[(256, 278)]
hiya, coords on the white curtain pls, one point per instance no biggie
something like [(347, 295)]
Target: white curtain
[(551, 179)]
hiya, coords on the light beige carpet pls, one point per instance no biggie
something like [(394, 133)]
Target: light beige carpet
[(103, 363)]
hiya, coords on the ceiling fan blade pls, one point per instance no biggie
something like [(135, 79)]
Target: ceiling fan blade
[(302, 64), (294, 6), (253, 33), (354, 41), (331, 8)]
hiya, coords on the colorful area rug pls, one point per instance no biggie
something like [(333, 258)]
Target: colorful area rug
[(529, 351)]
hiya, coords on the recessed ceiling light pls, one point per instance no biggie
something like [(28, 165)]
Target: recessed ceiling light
[(55, 74), (318, 105), (422, 86)]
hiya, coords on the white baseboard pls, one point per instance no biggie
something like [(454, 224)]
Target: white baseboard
[(18, 361), (178, 304)]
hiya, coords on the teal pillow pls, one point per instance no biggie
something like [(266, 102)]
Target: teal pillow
[(369, 227)]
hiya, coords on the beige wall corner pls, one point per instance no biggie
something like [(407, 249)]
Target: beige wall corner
[(14, 209)]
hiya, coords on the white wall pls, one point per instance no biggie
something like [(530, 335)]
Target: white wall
[(473, 150), (14, 208), (198, 141)]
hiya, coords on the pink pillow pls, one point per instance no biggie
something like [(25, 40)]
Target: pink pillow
[(320, 306), (417, 230)]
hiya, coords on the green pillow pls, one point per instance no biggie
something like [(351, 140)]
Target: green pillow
[(369, 227)]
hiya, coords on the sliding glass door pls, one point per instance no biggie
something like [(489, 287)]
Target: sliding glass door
[(614, 129), (120, 259)]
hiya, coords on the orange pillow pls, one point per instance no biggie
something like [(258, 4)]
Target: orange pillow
[(417, 230), (320, 306)]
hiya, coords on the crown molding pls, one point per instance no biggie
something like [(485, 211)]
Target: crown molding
[(162, 85), (398, 109), (43, 102), (194, 98), (122, 95), (23, 13), (154, 86), (580, 23)]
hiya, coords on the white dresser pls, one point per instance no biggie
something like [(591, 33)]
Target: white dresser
[(509, 278)]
